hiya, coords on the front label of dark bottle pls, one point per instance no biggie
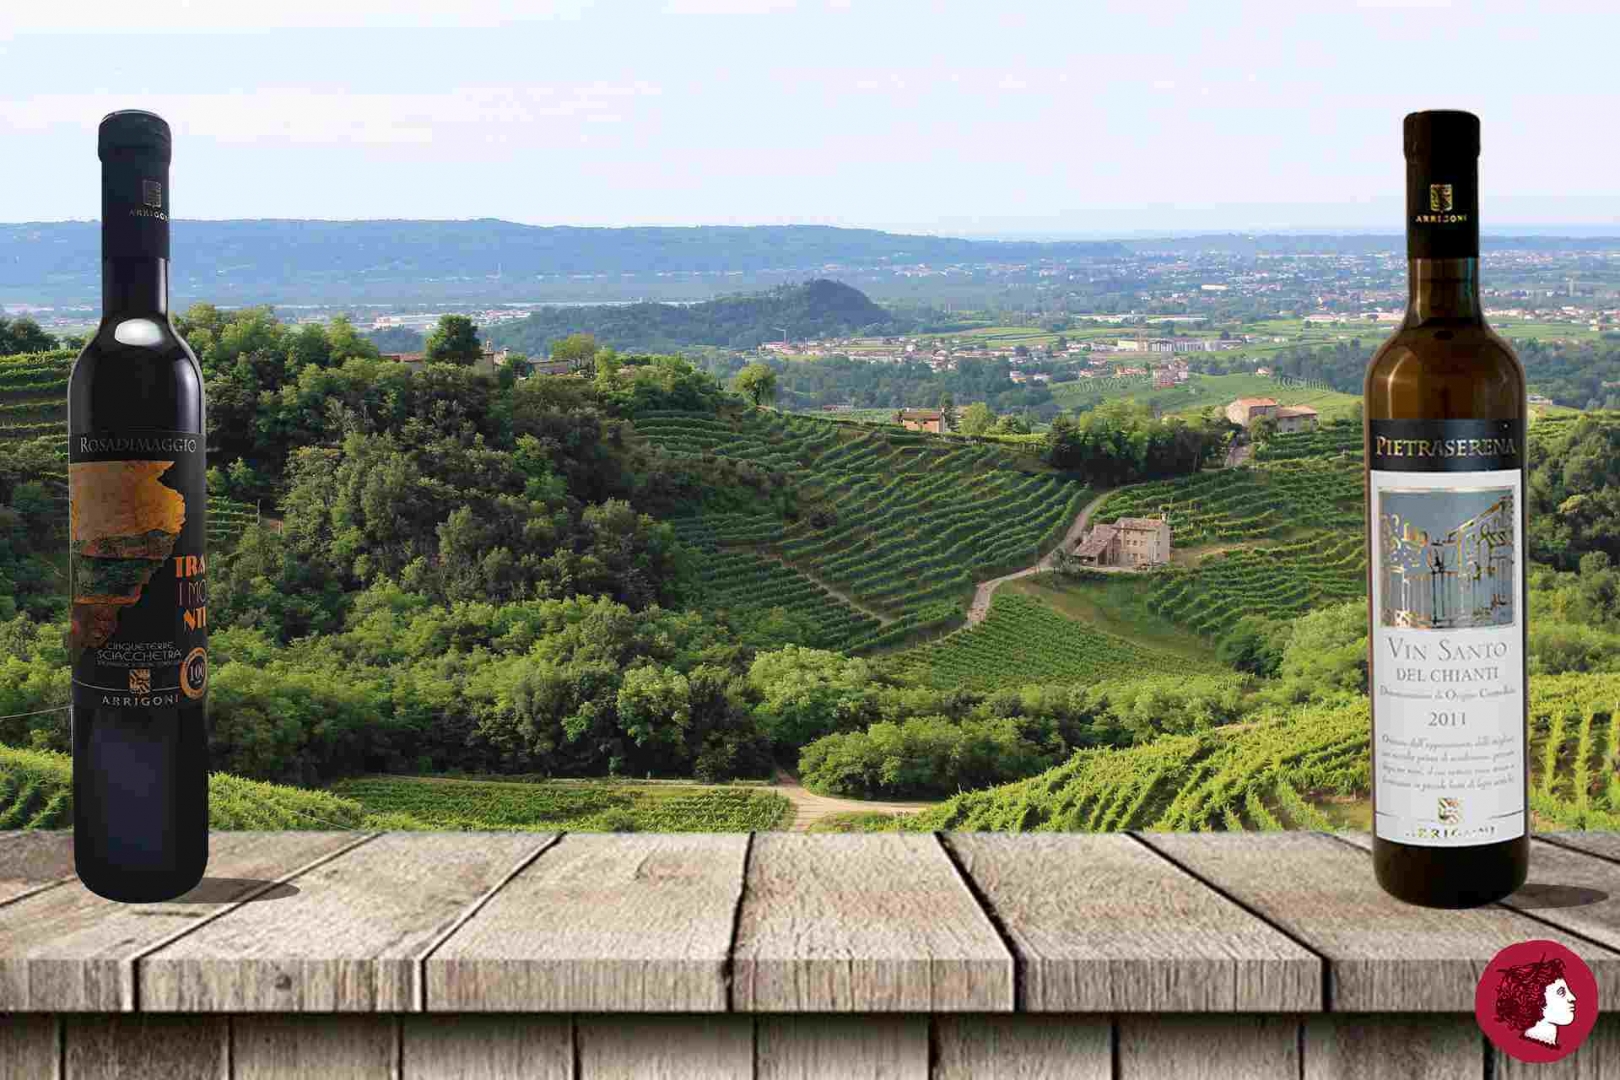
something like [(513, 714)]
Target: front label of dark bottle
[(1447, 674), (139, 578)]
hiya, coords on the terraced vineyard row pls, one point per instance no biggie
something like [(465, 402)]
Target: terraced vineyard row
[(1575, 751), (742, 580), (1023, 641), (477, 805), (1245, 776), (33, 395), (904, 522), (1277, 582), (1327, 441), (1240, 504)]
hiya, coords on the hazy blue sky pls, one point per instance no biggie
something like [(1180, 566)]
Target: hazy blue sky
[(970, 117)]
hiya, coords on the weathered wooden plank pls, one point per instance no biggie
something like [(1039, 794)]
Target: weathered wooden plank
[(481, 1047), (1605, 844), (344, 1047), (1598, 1058), (666, 1048), (30, 1045), (349, 941), (1381, 1046), (842, 1048), (874, 923), (647, 929), (137, 1047), (1208, 1047), (1023, 1047), (1103, 924), (1383, 955), (67, 949), (34, 859)]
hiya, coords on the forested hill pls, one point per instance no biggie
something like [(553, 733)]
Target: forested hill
[(273, 260), (814, 309)]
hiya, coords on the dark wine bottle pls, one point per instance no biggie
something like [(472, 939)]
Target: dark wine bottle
[(138, 635), (1444, 406)]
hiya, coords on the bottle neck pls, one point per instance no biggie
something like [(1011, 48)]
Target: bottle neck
[(1443, 290), (134, 285)]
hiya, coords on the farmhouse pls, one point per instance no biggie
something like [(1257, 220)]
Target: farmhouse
[(1295, 418), (1246, 410), (1130, 541), (920, 420)]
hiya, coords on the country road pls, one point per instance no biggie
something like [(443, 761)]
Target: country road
[(809, 808), (981, 597)]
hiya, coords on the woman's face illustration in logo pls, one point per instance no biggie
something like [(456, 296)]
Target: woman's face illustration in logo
[(1560, 1008)]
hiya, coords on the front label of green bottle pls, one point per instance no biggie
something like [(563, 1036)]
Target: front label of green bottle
[(1447, 670), (138, 635)]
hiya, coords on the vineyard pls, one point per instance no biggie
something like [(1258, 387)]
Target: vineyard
[(1277, 771), (474, 805), (36, 792), (1342, 438), (1023, 641), (1277, 582), (1242, 504), (33, 420), (904, 523)]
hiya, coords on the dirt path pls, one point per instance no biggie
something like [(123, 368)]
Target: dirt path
[(809, 808), (883, 620), (981, 597)]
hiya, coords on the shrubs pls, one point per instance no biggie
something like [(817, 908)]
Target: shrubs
[(926, 755)]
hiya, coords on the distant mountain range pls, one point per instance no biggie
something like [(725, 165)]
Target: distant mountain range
[(291, 261), (814, 309)]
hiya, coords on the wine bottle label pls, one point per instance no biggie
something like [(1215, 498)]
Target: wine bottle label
[(138, 577), (1447, 668)]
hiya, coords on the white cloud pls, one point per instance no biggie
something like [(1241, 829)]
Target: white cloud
[(228, 16)]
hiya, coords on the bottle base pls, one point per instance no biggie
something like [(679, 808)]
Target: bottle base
[(1451, 877), (138, 888)]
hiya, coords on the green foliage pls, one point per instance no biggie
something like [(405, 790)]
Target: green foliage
[(1336, 439), (1573, 494), (36, 792), (757, 383), (474, 805), (807, 693), (1121, 442), (453, 341), (921, 756), (1023, 641), (1277, 581), (23, 335)]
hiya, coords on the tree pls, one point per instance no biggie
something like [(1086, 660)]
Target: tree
[(454, 341), (579, 350), (757, 382), (977, 419), (947, 411), (23, 336)]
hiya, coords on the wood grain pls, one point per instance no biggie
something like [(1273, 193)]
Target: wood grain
[(1604, 844), (349, 941), (1383, 955), (1191, 1047), (1345, 1046), (272, 1047), (30, 1045), (666, 1048), (865, 923), (1598, 1058), (34, 859), (648, 929), (842, 1048), (67, 949), (475, 1047), (1023, 1047), (1104, 924), (135, 1047)]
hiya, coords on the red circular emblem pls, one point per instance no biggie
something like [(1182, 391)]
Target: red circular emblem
[(1536, 1001)]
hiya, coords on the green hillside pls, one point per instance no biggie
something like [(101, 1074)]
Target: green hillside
[(902, 523), (1022, 641), (1201, 392), (1278, 770)]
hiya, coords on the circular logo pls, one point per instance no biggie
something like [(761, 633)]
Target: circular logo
[(194, 673), (1536, 1001)]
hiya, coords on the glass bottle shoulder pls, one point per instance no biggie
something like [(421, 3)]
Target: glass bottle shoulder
[(1444, 370), (136, 372)]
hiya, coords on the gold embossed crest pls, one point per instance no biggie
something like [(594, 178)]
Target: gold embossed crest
[(1439, 197)]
